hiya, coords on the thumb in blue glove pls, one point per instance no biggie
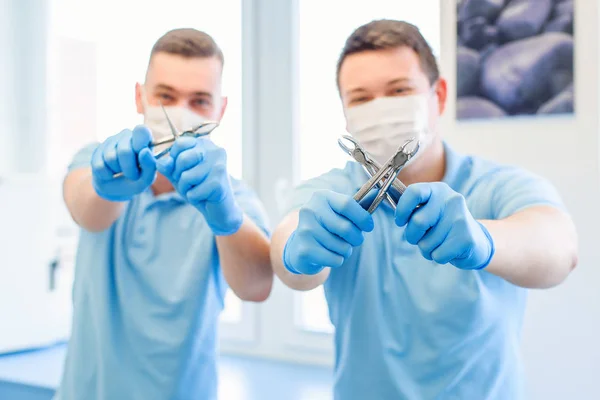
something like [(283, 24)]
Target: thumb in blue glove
[(443, 228), (197, 168), (127, 153), (330, 225)]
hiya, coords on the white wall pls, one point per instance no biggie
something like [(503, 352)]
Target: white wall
[(7, 106), (22, 85), (561, 340), (33, 311)]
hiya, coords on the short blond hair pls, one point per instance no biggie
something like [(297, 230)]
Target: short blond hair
[(188, 43), (386, 34)]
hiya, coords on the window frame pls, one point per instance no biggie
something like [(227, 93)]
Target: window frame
[(269, 80)]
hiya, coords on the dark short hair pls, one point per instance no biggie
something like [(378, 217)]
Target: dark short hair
[(386, 34), (188, 43)]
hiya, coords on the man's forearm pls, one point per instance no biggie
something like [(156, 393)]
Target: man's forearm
[(279, 240), (244, 258), (88, 210), (535, 248)]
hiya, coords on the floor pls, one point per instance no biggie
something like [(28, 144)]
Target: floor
[(35, 375)]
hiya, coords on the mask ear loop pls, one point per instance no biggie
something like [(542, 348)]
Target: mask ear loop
[(427, 133), (433, 87)]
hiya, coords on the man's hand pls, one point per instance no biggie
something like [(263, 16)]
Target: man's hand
[(127, 153), (443, 227), (329, 226), (197, 168)]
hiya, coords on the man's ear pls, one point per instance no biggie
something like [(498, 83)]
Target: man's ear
[(442, 94), (223, 107), (139, 104)]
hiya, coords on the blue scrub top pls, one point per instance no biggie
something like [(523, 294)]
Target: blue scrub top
[(408, 328), (147, 297)]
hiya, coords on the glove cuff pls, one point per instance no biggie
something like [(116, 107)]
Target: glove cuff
[(112, 198), (285, 257), (492, 247), (224, 218), (234, 222)]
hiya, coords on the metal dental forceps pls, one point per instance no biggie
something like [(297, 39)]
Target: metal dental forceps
[(203, 129), (381, 177), (369, 165)]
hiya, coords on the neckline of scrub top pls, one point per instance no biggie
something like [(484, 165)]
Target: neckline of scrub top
[(453, 162), (148, 198)]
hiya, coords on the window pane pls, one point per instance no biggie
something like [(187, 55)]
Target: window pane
[(232, 313), (321, 115), (311, 311), (121, 49)]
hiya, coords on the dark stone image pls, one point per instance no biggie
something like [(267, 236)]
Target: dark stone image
[(514, 58)]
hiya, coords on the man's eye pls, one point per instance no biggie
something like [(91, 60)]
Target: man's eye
[(201, 103), (166, 97), (359, 100)]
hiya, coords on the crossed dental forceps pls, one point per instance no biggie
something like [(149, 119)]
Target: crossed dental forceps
[(201, 130), (384, 177)]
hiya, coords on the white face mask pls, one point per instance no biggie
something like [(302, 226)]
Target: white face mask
[(382, 125), (182, 118)]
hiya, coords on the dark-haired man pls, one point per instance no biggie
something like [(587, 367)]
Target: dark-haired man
[(157, 251), (429, 304)]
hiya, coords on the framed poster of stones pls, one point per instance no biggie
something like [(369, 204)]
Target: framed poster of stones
[(515, 58)]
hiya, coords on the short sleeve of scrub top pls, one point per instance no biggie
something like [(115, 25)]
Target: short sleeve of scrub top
[(335, 180), (83, 158), (251, 205), (511, 190)]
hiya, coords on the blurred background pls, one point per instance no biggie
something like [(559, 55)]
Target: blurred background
[(68, 70)]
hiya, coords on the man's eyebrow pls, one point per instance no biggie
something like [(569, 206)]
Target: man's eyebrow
[(398, 80), (207, 94), (165, 87), (171, 89), (392, 82), (356, 90)]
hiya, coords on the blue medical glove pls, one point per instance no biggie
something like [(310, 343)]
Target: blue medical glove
[(197, 168), (443, 227), (329, 226), (129, 153)]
